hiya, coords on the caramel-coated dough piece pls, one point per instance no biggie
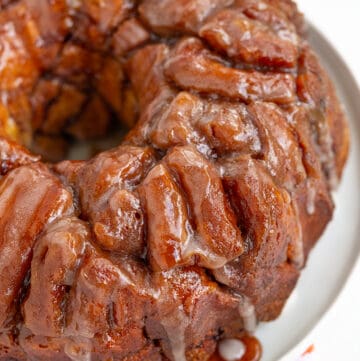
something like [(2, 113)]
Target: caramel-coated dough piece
[(197, 224)]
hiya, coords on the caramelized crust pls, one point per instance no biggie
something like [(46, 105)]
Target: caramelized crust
[(197, 226)]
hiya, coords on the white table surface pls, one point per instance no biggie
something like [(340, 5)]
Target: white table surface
[(337, 336)]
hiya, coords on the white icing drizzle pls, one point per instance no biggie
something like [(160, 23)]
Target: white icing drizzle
[(247, 313), (175, 326), (327, 156), (325, 143), (245, 306), (209, 259), (297, 255), (310, 196), (231, 349), (74, 3)]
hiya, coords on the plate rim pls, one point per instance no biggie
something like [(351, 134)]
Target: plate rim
[(316, 35)]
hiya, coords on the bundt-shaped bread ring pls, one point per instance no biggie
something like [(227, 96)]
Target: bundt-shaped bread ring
[(198, 224)]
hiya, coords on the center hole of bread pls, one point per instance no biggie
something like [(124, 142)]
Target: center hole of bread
[(60, 147)]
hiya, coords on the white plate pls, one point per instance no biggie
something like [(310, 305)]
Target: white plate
[(333, 258)]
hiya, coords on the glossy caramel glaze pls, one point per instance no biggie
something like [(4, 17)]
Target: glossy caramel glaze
[(194, 228)]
